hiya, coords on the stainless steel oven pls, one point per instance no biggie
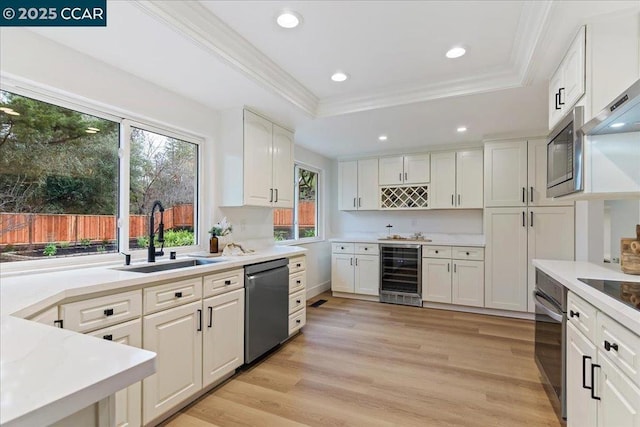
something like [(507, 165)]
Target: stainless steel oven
[(565, 173), (401, 274), (550, 338)]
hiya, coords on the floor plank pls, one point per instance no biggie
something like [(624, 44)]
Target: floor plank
[(360, 363)]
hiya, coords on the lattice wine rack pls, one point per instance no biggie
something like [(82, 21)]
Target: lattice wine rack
[(411, 197)]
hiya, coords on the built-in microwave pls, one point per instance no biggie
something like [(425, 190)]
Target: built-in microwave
[(565, 173)]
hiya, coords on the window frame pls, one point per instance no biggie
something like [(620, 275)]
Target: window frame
[(319, 237), (125, 120)]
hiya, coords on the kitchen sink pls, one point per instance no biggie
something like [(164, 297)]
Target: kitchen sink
[(152, 268)]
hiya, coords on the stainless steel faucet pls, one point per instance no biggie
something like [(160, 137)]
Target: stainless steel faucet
[(152, 230)]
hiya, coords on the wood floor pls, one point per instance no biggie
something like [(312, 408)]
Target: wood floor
[(363, 363)]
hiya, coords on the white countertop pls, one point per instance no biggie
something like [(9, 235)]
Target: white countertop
[(48, 373), (438, 239), (568, 272)]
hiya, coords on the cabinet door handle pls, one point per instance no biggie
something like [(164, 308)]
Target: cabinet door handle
[(531, 194), (354, 202), (448, 267), (452, 200), (459, 200), (276, 200), (593, 381), (455, 267), (560, 96), (400, 177), (406, 176), (574, 313), (58, 324), (584, 373), (178, 294), (524, 195), (350, 261), (210, 316), (199, 320), (356, 262), (557, 100), (271, 195), (524, 218), (108, 337), (531, 223), (108, 312), (359, 201), (610, 346)]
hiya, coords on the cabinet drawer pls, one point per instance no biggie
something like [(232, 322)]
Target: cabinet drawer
[(342, 248), (219, 283), (128, 333), (172, 294), (436, 252), (297, 320), (297, 282), (366, 249), (470, 253), (623, 346), (297, 264), (297, 301), (582, 315), (95, 313)]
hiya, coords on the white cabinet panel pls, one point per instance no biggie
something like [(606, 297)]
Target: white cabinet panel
[(581, 354), (505, 173), (619, 397), (348, 186), (443, 185), (223, 339), (506, 258), (94, 313), (367, 274), (342, 273), (258, 134), (176, 336), (573, 72), (555, 109), (367, 184), (47, 317), (282, 166), (391, 170), (469, 179), (467, 285), (417, 169), (436, 280)]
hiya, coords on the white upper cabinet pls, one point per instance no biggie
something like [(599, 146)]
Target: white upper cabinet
[(457, 180), (410, 169), (505, 173), (567, 84), (254, 160), (358, 185)]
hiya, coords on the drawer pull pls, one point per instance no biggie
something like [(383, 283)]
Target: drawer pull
[(342, 247), (178, 294), (58, 324), (108, 337), (574, 313), (108, 312), (610, 346), (468, 254), (298, 281), (227, 282), (298, 265), (298, 301), (436, 251), (366, 249), (297, 320)]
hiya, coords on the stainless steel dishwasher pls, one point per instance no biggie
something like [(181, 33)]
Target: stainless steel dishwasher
[(266, 311)]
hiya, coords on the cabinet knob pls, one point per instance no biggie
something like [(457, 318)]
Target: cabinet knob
[(178, 294), (298, 281), (610, 346), (108, 312), (467, 253), (366, 249), (574, 313), (297, 320), (342, 247), (227, 282), (298, 265), (108, 337), (298, 301), (436, 251)]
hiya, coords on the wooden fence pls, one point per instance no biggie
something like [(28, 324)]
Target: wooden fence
[(306, 215), (30, 229)]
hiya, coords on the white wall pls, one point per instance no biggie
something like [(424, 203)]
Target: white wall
[(69, 76), (621, 217)]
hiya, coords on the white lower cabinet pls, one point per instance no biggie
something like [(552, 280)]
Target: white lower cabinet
[(355, 268), (176, 336), (454, 276), (599, 392), (223, 339)]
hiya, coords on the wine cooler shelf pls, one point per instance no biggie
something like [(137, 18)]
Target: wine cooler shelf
[(412, 197)]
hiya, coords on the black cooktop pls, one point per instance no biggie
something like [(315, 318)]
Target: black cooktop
[(626, 292)]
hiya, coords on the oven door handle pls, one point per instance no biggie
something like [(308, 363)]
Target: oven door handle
[(545, 306)]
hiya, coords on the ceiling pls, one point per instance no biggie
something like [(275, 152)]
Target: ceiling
[(226, 54)]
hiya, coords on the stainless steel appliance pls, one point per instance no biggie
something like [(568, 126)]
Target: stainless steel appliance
[(266, 311), (625, 292), (550, 338), (401, 274), (565, 173), (621, 115)]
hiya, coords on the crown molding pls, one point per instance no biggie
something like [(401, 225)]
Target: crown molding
[(207, 31)]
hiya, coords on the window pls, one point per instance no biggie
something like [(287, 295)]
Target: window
[(63, 185), (301, 221), (58, 181), (164, 169)]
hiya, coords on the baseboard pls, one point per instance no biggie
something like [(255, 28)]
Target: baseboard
[(356, 296), (480, 310), (318, 289)]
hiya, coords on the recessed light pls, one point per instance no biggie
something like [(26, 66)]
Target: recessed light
[(462, 129), (617, 125), (382, 138), (339, 76), (456, 52), (289, 19)]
